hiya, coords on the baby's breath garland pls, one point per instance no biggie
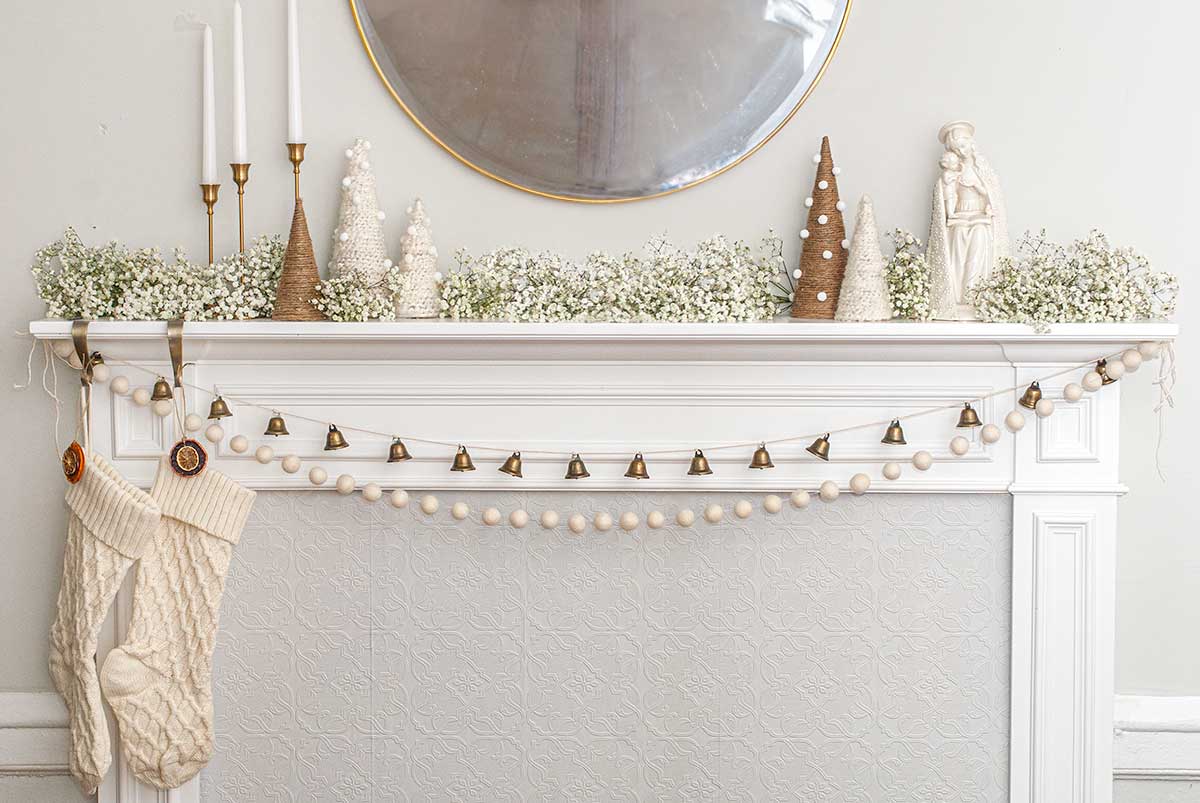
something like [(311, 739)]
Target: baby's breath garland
[(1088, 281), (907, 277), (352, 296), (111, 281), (718, 281)]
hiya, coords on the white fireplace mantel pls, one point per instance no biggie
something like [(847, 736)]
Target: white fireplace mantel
[(622, 388)]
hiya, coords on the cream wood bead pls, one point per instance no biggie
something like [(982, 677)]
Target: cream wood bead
[(63, 348), (829, 491), (1072, 391), (459, 511), (317, 475), (239, 443), (214, 433), (1149, 350), (922, 460), (990, 433), (772, 503), (713, 514), (192, 422), (655, 519), (429, 504), (577, 523), (345, 484), (163, 408), (73, 361), (1115, 369), (685, 517), (629, 521), (1015, 421), (101, 373), (518, 518), (1044, 408), (119, 385), (372, 492), (891, 471), (291, 463), (742, 509), (264, 454), (800, 499), (1132, 359), (859, 484), (141, 396), (602, 522), (1092, 381), (959, 446), (491, 517), (549, 519), (398, 499)]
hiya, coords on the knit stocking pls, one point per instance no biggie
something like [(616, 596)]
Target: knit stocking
[(109, 527), (159, 682)]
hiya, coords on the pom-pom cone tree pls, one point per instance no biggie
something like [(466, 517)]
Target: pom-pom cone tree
[(823, 254), (864, 294), (419, 297), (359, 245)]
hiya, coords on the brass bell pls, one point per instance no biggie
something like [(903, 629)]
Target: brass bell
[(397, 453), (1031, 396), (1101, 368), (462, 460), (637, 468), (512, 466), (820, 447), (968, 417), (219, 409), (576, 470), (761, 458), (162, 390), (895, 434), (96, 359), (334, 439), (699, 465), (275, 426)]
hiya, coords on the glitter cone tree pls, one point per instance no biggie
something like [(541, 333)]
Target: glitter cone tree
[(823, 254), (864, 294), (420, 296), (359, 245)]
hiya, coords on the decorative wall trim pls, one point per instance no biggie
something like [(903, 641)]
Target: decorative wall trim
[(1156, 738), (33, 734)]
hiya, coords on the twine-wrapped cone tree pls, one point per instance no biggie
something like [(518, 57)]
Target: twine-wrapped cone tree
[(823, 254), (299, 279), (864, 295)]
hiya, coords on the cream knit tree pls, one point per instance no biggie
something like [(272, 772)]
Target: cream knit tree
[(864, 295), (359, 245), (420, 296)]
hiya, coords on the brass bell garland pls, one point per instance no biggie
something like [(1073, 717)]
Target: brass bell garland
[(637, 468), (761, 458), (820, 447), (895, 434), (1102, 369), (968, 417), (397, 453), (219, 409), (699, 466), (162, 390), (462, 461), (512, 466), (334, 439), (1031, 396), (276, 426), (576, 470)]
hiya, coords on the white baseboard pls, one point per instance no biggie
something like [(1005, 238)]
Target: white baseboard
[(34, 737), (1156, 738)]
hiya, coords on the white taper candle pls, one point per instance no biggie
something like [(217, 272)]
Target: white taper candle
[(295, 126), (208, 166), (241, 151)]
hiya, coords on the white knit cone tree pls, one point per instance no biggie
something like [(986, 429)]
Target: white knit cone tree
[(864, 295), (420, 297), (359, 244)]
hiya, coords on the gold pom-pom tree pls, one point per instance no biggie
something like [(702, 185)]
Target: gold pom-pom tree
[(824, 251)]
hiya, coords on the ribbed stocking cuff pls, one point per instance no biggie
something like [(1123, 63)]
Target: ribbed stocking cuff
[(210, 501), (112, 509)]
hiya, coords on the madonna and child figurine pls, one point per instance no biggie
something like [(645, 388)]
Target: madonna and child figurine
[(969, 227)]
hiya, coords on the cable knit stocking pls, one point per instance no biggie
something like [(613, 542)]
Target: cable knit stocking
[(110, 525), (159, 682)]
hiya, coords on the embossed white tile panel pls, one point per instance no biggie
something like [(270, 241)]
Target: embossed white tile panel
[(857, 651)]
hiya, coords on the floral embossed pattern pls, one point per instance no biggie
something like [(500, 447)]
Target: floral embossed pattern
[(851, 652)]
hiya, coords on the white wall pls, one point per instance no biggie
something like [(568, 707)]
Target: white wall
[(1085, 108)]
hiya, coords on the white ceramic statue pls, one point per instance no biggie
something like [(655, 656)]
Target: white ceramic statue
[(969, 227)]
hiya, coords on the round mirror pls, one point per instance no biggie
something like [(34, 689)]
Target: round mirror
[(600, 100)]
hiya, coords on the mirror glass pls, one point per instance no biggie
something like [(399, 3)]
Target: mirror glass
[(600, 100)]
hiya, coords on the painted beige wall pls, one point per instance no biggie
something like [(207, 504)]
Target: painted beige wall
[(1084, 107)]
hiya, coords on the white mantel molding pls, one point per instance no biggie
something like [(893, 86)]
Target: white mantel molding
[(635, 387)]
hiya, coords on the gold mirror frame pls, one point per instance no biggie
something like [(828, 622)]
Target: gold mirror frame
[(478, 169)]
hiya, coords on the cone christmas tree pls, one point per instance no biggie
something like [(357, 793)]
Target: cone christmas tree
[(864, 294), (823, 254), (299, 279), (359, 246), (420, 296)]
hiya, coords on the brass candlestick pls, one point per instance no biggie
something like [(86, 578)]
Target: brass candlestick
[(241, 174), (296, 155), (209, 193)]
